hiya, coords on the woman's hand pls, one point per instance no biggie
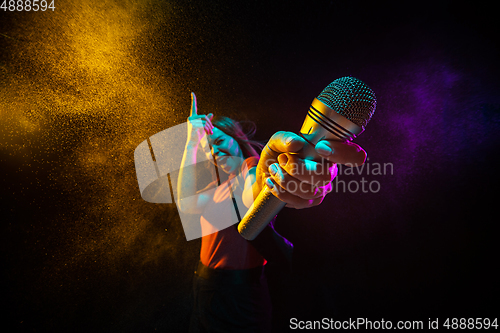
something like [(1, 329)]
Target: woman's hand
[(347, 153), (298, 182), (198, 125)]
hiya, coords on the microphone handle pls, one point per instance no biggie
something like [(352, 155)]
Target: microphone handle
[(262, 211)]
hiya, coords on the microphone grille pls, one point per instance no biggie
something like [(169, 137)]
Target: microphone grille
[(351, 98)]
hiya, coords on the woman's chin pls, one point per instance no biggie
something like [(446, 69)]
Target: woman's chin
[(229, 165), (227, 169)]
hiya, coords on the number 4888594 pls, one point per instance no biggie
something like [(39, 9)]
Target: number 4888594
[(27, 5)]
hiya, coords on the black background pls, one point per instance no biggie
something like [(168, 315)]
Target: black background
[(81, 252)]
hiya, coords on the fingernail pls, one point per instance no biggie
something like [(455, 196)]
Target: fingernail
[(324, 150), (283, 159), (273, 169), (288, 140), (269, 183)]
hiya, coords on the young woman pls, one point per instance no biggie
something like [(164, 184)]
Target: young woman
[(230, 289)]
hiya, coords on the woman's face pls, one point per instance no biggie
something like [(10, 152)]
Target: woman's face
[(226, 150)]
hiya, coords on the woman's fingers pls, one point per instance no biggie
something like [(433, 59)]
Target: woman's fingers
[(294, 186), (291, 199), (347, 153), (279, 143), (200, 121), (194, 105), (282, 142), (298, 182), (208, 119), (306, 170)]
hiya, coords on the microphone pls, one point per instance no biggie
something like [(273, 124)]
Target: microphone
[(340, 112)]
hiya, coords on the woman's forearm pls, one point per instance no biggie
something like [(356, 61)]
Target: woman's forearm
[(186, 183)]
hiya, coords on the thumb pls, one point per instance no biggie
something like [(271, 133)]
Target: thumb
[(347, 153)]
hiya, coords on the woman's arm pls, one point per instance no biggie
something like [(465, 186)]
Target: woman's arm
[(250, 190), (198, 127)]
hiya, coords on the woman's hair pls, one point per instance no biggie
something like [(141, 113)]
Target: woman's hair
[(234, 129)]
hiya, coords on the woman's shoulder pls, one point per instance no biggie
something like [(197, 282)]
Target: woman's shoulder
[(248, 164)]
